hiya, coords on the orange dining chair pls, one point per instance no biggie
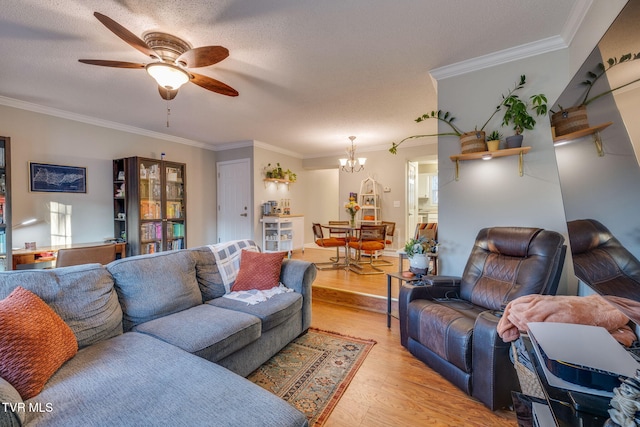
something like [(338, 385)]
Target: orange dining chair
[(427, 229), (371, 238), (327, 242), (391, 229), (340, 234)]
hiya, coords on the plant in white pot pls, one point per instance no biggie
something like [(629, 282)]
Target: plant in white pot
[(417, 250)]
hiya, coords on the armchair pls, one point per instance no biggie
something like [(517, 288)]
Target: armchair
[(450, 322)]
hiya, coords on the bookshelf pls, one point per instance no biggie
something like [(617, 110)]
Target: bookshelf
[(149, 204)]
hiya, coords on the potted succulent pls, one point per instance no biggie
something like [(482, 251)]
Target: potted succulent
[(572, 119), (417, 250), (493, 140), (518, 113), (471, 142)]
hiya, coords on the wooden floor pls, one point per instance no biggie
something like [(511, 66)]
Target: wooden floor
[(392, 388)]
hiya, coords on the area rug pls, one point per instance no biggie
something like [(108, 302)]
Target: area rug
[(313, 371)]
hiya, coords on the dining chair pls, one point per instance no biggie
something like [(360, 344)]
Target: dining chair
[(102, 254), (427, 229), (371, 238), (328, 242)]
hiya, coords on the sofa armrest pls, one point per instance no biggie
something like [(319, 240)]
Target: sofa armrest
[(12, 411), (493, 373), (299, 276)]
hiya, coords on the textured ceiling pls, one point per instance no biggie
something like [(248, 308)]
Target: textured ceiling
[(309, 73)]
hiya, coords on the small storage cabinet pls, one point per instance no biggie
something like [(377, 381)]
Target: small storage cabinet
[(150, 204), (277, 234)]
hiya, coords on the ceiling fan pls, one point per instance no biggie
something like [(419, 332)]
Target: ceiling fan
[(171, 57)]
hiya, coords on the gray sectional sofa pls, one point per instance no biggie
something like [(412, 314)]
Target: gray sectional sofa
[(158, 345)]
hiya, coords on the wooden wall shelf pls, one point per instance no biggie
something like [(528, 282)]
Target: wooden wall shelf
[(482, 155), (277, 181), (570, 137)]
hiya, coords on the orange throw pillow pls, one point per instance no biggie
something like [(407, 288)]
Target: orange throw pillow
[(34, 342), (258, 270)]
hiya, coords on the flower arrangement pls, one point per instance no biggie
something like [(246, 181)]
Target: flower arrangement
[(421, 245), (352, 208)]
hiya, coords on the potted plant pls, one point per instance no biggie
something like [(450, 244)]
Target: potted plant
[(572, 119), (470, 142), (417, 250), (493, 140), (517, 113)]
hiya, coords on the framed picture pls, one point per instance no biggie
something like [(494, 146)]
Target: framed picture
[(57, 179)]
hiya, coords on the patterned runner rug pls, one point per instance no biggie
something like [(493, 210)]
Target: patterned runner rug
[(313, 371)]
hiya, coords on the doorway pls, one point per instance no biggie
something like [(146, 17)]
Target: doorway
[(235, 218), (422, 193)]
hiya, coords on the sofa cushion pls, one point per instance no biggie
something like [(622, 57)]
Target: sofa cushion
[(155, 285), (217, 266), (258, 270), (82, 295), (34, 342), (204, 330), (271, 312), (137, 380)]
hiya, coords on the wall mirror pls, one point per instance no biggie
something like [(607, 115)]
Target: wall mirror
[(604, 184)]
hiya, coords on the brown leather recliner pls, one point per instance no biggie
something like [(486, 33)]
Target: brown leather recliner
[(450, 323), (600, 261)]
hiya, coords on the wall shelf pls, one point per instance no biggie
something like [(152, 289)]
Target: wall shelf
[(482, 155), (570, 137), (277, 181)]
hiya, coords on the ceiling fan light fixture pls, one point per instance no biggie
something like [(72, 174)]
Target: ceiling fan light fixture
[(168, 76)]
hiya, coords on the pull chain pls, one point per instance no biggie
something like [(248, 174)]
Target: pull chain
[(168, 109)]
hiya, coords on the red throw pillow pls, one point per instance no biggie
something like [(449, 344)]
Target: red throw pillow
[(258, 270), (34, 342)]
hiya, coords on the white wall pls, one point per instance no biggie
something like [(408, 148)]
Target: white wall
[(48, 139), (490, 193)]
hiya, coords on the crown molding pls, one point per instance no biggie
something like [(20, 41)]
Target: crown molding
[(28, 106), (577, 14), (501, 57)]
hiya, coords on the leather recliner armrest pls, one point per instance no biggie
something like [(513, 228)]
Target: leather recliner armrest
[(434, 288), (493, 373)]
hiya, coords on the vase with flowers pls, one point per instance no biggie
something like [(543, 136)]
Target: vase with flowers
[(352, 208)]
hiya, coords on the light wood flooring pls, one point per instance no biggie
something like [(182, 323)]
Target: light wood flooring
[(391, 388)]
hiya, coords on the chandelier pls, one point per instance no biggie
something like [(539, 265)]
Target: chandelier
[(352, 164)]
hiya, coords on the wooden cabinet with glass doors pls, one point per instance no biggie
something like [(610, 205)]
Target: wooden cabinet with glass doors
[(150, 204)]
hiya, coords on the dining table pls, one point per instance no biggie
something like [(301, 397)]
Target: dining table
[(349, 232)]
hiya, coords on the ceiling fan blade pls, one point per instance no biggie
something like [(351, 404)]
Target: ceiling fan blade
[(126, 35), (213, 85), (167, 94), (203, 56), (116, 64)]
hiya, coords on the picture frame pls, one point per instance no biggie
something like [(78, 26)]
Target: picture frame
[(49, 178)]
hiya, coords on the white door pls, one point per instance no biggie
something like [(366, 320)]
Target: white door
[(412, 198), (235, 215)]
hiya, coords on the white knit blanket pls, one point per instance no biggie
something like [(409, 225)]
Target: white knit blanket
[(255, 296)]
